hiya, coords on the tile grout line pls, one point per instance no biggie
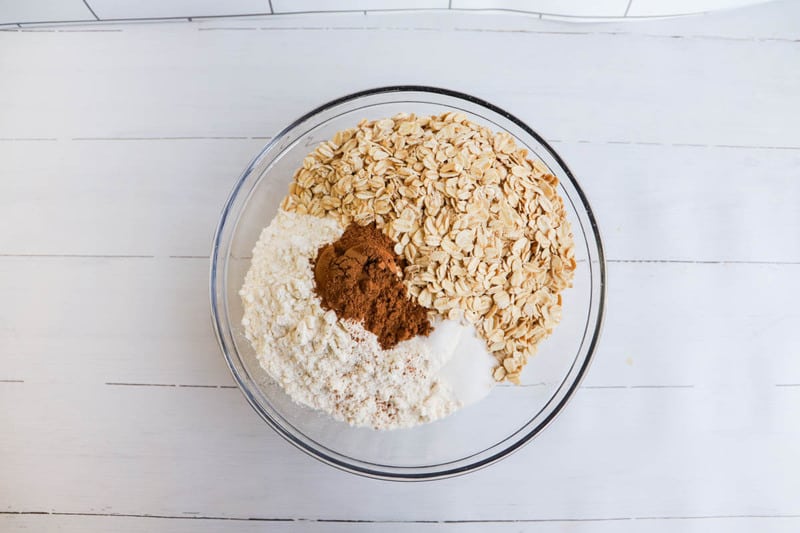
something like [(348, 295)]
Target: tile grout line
[(534, 14), (142, 19), (86, 3)]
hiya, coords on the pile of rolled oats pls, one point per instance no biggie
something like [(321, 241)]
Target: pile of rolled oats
[(482, 229)]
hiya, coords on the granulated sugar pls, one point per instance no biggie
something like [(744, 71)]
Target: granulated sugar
[(320, 361)]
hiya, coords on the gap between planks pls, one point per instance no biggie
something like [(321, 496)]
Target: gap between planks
[(194, 386), (540, 384), (175, 385), (514, 31), (588, 387), (524, 385), (195, 516), (24, 29), (206, 257), (268, 138)]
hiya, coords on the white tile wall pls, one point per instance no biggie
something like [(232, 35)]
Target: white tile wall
[(124, 9), (53, 11), (15, 11), (660, 8), (574, 8), (294, 6)]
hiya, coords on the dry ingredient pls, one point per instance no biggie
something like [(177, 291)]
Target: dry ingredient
[(360, 278), (467, 370), (483, 231), (447, 275), (322, 361)]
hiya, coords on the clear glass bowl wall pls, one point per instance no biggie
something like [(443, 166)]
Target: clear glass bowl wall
[(472, 437)]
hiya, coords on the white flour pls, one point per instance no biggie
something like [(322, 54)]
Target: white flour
[(320, 361)]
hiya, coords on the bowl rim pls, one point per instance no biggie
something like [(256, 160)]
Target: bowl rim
[(393, 475)]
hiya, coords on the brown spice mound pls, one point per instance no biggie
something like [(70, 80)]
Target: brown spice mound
[(359, 277)]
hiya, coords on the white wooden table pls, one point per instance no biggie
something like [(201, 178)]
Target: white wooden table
[(119, 144)]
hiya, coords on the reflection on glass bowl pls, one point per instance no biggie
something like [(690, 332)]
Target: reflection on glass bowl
[(473, 437)]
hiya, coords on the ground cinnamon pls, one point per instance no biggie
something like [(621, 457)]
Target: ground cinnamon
[(360, 278)]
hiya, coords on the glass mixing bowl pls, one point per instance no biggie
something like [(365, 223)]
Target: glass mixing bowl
[(478, 434)]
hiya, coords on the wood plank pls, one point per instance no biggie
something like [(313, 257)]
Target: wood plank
[(163, 197), (117, 197), (691, 203), (708, 325), (642, 81), (140, 321), (689, 411), (612, 454)]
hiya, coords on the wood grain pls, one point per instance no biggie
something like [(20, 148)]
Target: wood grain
[(169, 451), (119, 147), (682, 203), (688, 89), (667, 324), (127, 524)]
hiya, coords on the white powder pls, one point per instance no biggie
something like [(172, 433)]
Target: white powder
[(323, 362), (467, 364)]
